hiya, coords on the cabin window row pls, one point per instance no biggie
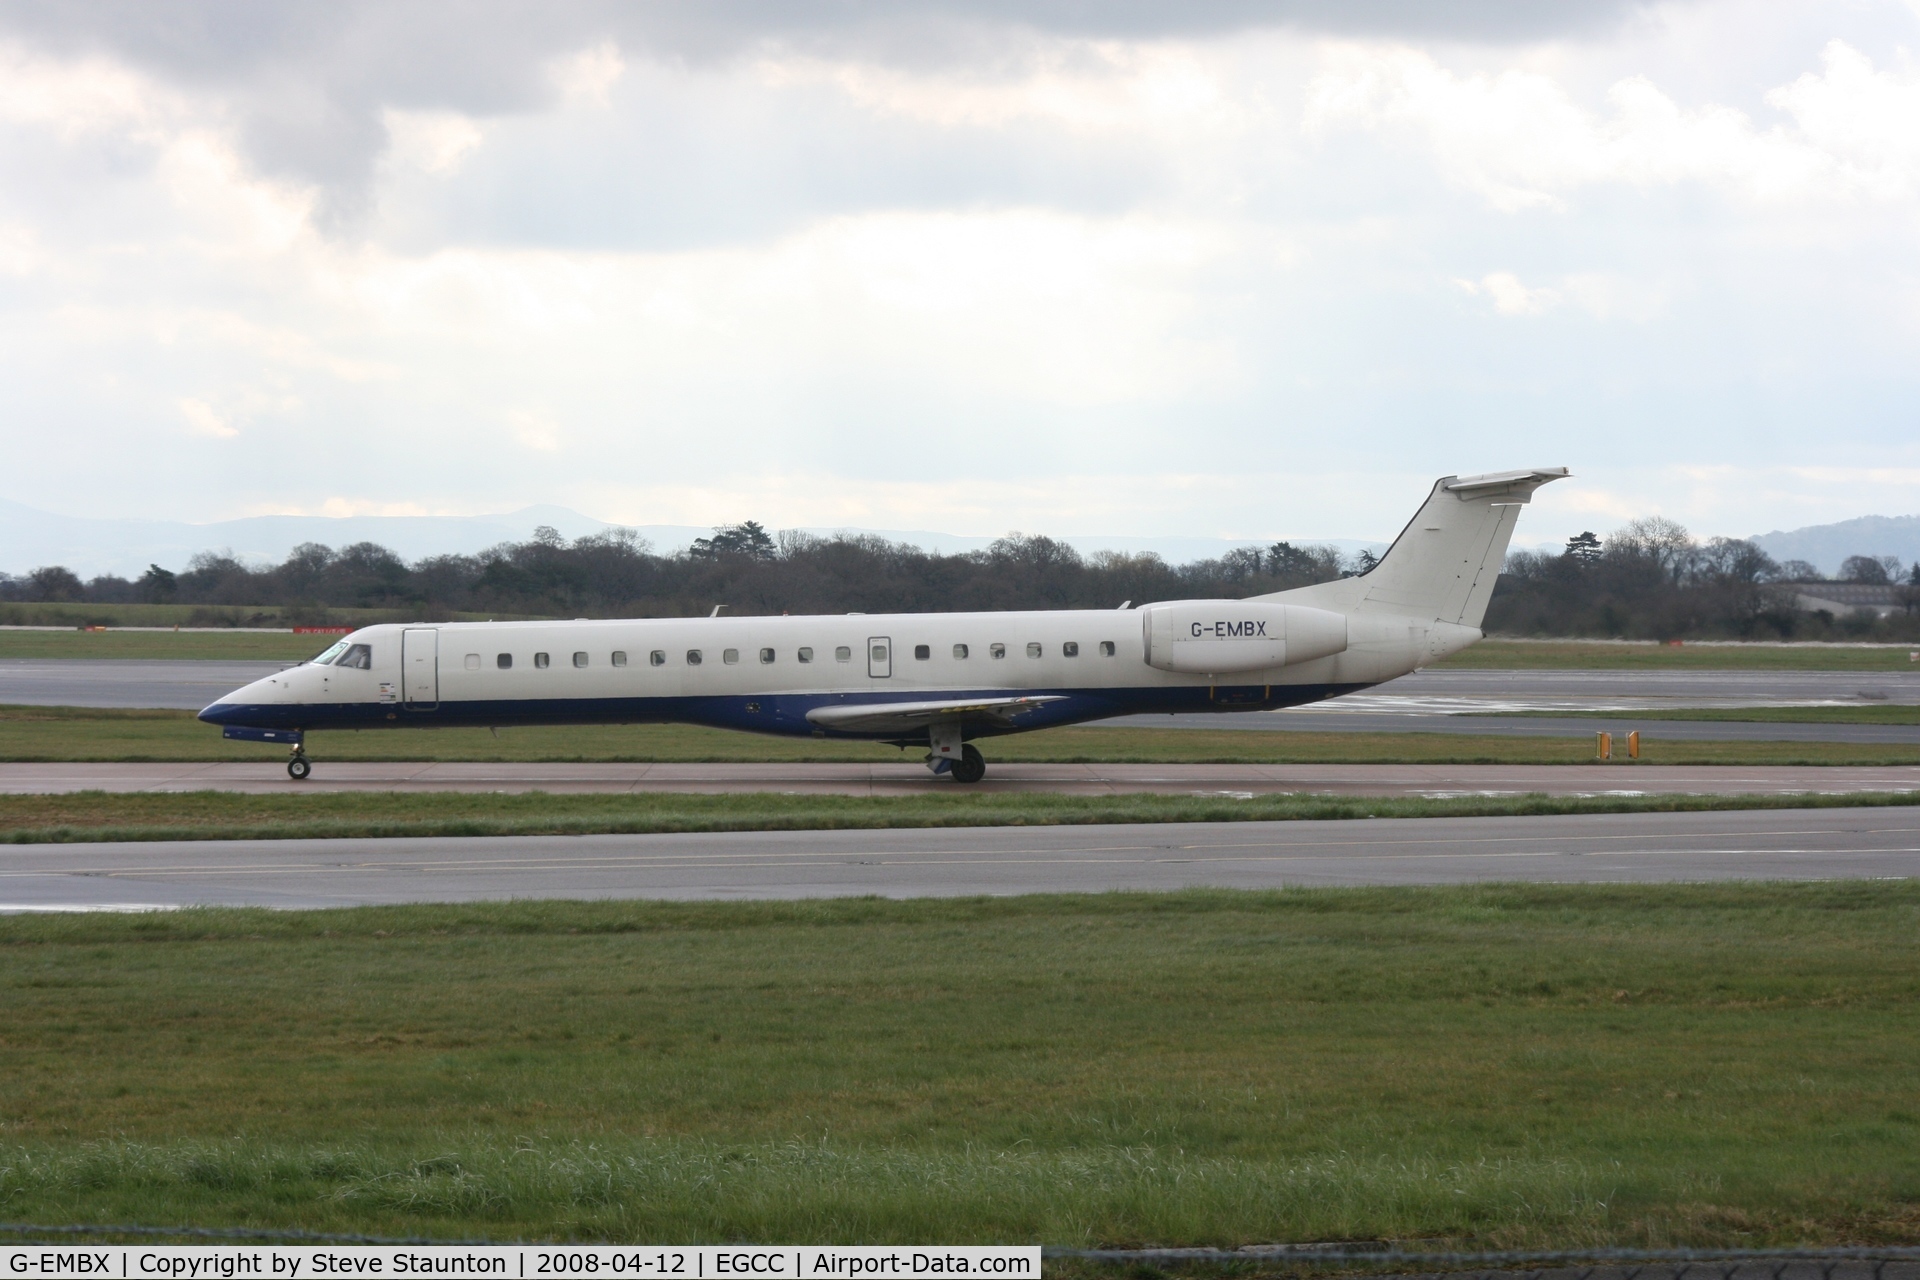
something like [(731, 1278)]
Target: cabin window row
[(731, 657)]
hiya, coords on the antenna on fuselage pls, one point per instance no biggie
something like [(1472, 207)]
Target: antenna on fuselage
[(718, 610), (1124, 604)]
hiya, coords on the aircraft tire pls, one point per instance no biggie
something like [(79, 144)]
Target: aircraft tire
[(298, 768), (971, 766)]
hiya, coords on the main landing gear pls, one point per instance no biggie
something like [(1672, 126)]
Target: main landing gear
[(298, 766), (950, 755), (971, 766)]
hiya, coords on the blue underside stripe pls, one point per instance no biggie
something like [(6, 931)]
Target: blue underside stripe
[(766, 713)]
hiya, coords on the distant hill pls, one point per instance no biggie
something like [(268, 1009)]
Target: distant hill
[(30, 539), (1826, 545)]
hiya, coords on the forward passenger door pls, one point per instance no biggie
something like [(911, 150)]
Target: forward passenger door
[(420, 668)]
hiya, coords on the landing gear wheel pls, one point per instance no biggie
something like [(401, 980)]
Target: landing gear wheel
[(971, 766), (298, 768)]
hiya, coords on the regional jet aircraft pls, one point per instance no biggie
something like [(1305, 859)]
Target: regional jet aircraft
[(938, 680)]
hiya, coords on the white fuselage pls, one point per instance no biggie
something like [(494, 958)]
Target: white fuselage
[(708, 670)]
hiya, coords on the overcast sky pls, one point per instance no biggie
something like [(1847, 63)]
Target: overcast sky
[(1215, 269)]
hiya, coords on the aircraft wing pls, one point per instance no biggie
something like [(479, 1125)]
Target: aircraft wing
[(904, 717)]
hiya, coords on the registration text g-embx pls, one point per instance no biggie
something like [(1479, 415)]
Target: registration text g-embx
[(64, 1262), (1249, 629)]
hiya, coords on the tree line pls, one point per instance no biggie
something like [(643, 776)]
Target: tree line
[(1652, 580), (616, 573), (1648, 580)]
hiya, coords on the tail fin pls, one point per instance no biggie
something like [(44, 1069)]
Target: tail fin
[(1444, 563)]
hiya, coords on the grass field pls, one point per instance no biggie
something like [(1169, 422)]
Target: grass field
[(277, 646), (219, 815), (82, 733), (49, 613), (1489, 1065), (1607, 655), (1871, 713), (1495, 653)]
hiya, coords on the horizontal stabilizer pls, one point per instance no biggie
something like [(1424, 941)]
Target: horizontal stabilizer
[(1518, 485), (905, 717)]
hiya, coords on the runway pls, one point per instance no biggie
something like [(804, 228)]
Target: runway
[(909, 778), (172, 684), (1324, 718), (1621, 848)]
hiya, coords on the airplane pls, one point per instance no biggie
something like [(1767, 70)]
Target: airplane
[(939, 680)]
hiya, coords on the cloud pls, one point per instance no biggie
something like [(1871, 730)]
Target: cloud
[(432, 142), (589, 75), (1866, 122), (1520, 140), (20, 252), (1509, 296), (310, 82), (535, 431), (202, 420), (1031, 276), (1601, 295)]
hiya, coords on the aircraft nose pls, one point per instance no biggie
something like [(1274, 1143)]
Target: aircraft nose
[(229, 709)]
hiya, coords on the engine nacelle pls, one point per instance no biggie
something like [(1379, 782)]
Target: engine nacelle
[(1216, 637)]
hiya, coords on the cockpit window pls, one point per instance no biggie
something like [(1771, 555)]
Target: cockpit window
[(331, 652), (357, 656)]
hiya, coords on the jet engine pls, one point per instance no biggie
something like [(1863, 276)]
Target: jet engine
[(1215, 637)]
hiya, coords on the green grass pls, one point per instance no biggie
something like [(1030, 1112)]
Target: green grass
[(280, 646), (1486, 1065), (1873, 713), (1607, 655), (59, 614), (29, 734), (64, 817)]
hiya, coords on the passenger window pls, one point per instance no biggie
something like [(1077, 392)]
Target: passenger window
[(619, 658), (766, 655), (996, 651), (693, 657), (658, 658), (1071, 649), (729, 656), (540, 661), (504, 662), (960, 651), (473, 662), (843, 654), (1033, 648), (805, 655), (922, 652), (1106, 648), (357, 656), (579, 659)]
